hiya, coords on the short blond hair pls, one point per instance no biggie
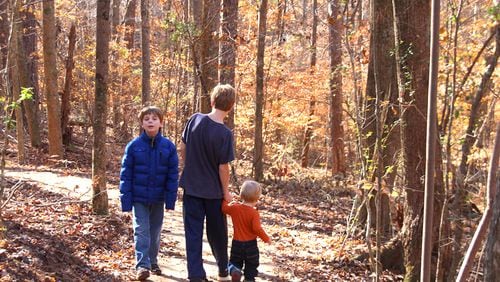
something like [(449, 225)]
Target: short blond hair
[(148, 110), (223, 97), (250, 191)]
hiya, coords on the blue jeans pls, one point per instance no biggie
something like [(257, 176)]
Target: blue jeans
[(147, 223), (195, 210)]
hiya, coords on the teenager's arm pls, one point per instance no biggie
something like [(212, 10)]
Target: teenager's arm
[(224, 180), (182, 154)]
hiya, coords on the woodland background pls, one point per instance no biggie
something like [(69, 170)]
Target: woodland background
[(331, 101)]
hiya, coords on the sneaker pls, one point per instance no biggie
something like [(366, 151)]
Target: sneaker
[(155, 269), (224, 276), (142, 274), (235, 273)]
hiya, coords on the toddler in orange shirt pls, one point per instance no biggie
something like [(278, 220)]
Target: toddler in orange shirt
[(247, 227)]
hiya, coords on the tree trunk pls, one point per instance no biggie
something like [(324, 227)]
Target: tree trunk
[(4, 34), (129, 22), (482, 228), (492, 247), (50, 73), (146, 62), (470, 137), (335, 28), (209, 51), (68, 81), (280, 21), (115, 81), (99, 155), (13, 68), (27, 61), (308, 131), (258, 153), (4, 38), (229, 33), (412, 24), (128, 36), (197, 16)]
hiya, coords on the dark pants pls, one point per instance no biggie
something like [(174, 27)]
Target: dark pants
[(195, 210), (245, 253)]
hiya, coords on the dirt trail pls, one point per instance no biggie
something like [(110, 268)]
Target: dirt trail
[(172, 253)]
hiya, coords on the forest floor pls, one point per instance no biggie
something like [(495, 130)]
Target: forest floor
[(50, 233)]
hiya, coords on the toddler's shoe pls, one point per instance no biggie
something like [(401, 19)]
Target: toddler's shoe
[(235, 273)]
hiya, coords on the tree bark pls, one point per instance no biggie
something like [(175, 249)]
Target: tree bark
[(280, 21), (68, 81), (229, 34), (461, 175), (197, 17), (99, 155), (412, 24), (13, 68), (209, 51), (50, 73), (146, 62), (491, 188), (27, 61), (492, 247), (335, 98), (309, 129), (258, 166)]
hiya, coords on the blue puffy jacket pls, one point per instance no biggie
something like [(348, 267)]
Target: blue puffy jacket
[(149, 172)]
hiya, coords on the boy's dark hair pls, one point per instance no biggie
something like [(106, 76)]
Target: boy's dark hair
[(150, 110), (223, 97)]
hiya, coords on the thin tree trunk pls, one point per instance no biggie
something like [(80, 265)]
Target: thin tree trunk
[(308, 131), (470, 137), (99, 155), (258, 153), (115, 81), (430, 153), (280, 21), (491, 191), (68, 81), (335, 97), (146, 62), (27, 64), (229, 33), (13, 67), (492, 247), (209, 51), (197, 16), (50, 73)]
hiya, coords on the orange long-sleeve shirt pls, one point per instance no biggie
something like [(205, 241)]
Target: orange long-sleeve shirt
[(246, 222)]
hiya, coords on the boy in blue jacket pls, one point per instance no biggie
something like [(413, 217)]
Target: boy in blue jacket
[(148, 182)]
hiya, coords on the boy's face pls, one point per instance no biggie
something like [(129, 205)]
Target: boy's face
[(151, 124)]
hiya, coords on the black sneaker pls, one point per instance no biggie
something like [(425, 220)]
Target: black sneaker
[(155, 269)]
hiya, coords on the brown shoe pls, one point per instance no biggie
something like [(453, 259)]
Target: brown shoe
[(142, 274)]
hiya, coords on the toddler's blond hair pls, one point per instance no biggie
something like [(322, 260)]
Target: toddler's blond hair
[(250, 191)]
